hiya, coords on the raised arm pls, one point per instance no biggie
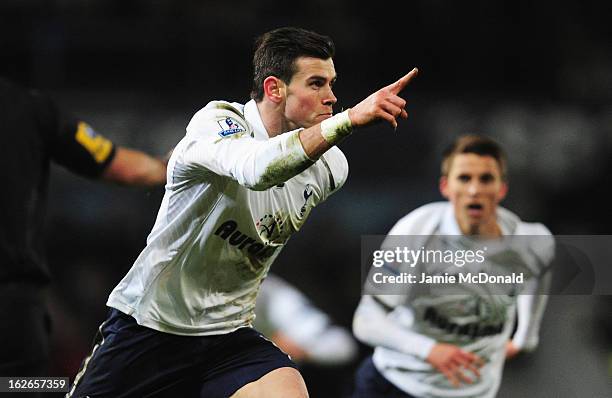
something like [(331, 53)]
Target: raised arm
[(382, 105), (260, 165)]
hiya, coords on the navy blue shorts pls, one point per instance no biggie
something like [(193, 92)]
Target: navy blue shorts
[(369, 383), (129, 360)]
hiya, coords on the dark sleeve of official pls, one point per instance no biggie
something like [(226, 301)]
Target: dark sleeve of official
[(71, 142)]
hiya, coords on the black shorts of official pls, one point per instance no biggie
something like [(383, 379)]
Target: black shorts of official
[(369, 383), (129, 360)]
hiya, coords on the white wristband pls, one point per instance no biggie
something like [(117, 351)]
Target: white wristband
[(336, 128)]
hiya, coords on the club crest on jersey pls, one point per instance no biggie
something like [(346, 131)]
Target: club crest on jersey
[(270, 227), (307, 194), (229, 126)]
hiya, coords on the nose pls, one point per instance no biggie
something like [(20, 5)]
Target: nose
[(473, 188), (329, 99)]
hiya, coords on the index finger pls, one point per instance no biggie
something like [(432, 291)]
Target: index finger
[(473, 358), (403, 81), (477, 361)]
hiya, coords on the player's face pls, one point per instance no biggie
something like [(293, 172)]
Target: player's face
[(309, 95), (475, 187)]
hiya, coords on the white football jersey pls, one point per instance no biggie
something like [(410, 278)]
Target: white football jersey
[(233, 198), (281, 307), (478, 319)]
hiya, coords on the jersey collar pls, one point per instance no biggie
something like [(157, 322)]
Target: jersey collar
[(448, 223)]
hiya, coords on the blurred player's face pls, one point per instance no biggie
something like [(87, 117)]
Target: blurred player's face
[(475, 187), (309, 97)]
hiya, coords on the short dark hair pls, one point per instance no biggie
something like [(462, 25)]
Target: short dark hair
[(276, 52), (478, 144)]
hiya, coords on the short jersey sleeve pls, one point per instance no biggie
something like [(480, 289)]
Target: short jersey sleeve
[(72, 143)]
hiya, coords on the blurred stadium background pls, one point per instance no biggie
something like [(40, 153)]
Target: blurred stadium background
[(535, 76)]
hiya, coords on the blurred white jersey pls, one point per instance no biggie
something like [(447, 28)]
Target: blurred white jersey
[(281, 307), (233, 198), (476, 319)]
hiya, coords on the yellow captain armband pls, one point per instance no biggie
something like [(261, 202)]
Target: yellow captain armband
[(98, 146)]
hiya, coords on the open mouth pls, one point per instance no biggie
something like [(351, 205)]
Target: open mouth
[(475, 209)]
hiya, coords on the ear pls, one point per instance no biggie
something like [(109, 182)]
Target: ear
[(274, 89), (443, 185)]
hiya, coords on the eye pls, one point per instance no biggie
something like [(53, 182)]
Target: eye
[(487, 178), (317, 84), (464, 178)]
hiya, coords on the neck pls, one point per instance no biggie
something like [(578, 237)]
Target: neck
[(270, 116), (488, 230)]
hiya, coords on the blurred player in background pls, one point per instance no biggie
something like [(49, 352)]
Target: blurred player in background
[(432, 344), (34, 134), (300, 329), (240, 183)]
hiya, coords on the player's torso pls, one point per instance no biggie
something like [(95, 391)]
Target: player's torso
[(212, 246), (255, 225), (476, 321), (465, 310), (476, 317), (275, 214)]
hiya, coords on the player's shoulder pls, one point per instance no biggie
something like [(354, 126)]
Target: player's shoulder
[(536, 236), (415, 222), (540, 240), (532, 228), (224, 107), (221, 118), (516, 226)]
